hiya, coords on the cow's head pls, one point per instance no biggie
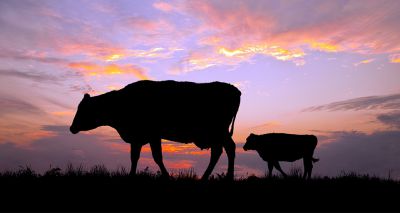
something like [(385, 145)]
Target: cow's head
[(250, 142), (84, 118)]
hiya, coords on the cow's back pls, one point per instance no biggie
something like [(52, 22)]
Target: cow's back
[(179, 110)]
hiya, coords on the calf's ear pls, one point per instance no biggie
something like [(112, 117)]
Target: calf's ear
[(86, 96)]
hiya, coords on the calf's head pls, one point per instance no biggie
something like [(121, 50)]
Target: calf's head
[(85, 118), (250, 142)]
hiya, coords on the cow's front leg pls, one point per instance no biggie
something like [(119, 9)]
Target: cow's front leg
[(216, 152), (135, 154), (156, 151)]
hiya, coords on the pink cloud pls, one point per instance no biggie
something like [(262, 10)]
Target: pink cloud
[(164, 6)]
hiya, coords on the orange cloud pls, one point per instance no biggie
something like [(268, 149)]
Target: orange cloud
[(326, 47), (277, 52), (395, 58), (167, 147), (121, 147), (182, 164), (97, 50), (114, 87), (22, 135), (114, 57), (62, 113), (367, 61), (92, 69)]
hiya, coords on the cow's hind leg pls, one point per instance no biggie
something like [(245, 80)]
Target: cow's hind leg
[(135, 154), (156, 151), (216, 152), (230, 149), (307, 167), (278, 167)]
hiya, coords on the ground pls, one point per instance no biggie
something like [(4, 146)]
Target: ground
[(73, 189)]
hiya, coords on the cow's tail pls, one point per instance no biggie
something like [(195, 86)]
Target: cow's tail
[(314, 160), (234, 117)]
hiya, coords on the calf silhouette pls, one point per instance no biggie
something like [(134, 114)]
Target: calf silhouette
[(148, 111), (275, 147)]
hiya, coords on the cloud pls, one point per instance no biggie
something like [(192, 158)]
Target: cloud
[(62, 147), (31, 55), (391, 118), (374, 154), (362, 103), (395, 58), (147, 25), (59, 149), (92, 69), (152, 31), (366, 61), (164, 6), (100, 50), (10, 105), (30, 75), (244, 29), (53, 32)]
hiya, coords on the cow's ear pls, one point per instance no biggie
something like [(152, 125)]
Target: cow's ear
[(251, 134), (86, 96)]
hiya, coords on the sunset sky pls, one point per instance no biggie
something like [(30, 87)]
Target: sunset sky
[(329, 68)]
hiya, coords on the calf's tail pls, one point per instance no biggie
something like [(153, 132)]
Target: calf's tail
[(314, 160)]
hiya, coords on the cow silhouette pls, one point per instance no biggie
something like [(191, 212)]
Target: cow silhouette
[(275, 147), (148, 111)]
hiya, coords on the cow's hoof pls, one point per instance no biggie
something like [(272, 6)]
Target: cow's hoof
[(165, 177), (229, 177), (204, 179)]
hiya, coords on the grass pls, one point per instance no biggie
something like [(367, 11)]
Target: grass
[(77, 188)]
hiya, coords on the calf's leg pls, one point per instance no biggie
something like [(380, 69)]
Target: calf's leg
[(216, 152), (270, 168), (156, 151), (230, 148), (307, 167), (135, 154), (278, 167)]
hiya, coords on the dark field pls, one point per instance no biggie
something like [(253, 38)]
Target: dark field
[(97, 189)]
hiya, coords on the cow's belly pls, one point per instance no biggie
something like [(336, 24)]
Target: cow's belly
[(203, 141)]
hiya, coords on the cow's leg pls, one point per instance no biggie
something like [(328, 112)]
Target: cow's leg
[(278, 167), (156, 151), (270, 168), (307, 167), (135, 154), (216, 152), (230, 148)]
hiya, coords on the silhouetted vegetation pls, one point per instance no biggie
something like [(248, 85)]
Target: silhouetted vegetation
[(77, 188)]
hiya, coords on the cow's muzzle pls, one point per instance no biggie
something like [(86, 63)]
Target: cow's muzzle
[(73, 130)]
